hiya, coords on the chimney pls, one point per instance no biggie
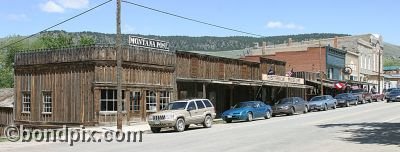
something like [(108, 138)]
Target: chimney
[(264, 48), (289, 42), (335, 42)]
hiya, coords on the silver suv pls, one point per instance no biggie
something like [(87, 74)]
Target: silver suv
[(180, 114)]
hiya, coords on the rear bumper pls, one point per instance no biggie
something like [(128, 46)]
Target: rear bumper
[(316, 107), (281, 111)]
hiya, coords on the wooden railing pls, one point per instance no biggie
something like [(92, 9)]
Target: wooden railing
[(94, 53)]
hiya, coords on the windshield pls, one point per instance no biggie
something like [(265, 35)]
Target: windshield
[(243, 105), (177, 106), (284, 101), (317, 98), (340, 96)]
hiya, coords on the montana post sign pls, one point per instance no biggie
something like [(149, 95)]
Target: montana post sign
[(148, 43)]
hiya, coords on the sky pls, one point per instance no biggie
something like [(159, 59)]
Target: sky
[(262, 17)]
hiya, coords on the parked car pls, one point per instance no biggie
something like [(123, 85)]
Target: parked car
[(322, 103), (362, 95), (388, 91), (394, 95), (248, 111), (377, 97), (180, 114), (289, 106), (346, 99)]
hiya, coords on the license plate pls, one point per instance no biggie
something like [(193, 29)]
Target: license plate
[(156, 122), (229, 116)]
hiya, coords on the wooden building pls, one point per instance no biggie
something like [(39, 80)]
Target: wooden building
[(77, 85), (6, 108)]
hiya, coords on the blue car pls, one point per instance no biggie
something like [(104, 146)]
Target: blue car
[(394, 95), (248, 111)]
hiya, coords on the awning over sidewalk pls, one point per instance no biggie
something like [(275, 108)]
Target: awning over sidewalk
[(245, 82)]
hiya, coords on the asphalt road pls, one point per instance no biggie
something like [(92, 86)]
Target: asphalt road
[(371, 127)]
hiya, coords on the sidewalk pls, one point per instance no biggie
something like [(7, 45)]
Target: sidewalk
[(141, 126)]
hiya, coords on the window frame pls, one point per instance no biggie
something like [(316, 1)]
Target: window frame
[(149, 103), (24, 103), (113, 100), (164, 100), (45, 102), (134, 104)]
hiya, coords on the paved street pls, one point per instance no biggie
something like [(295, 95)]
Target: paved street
[(372, 127)]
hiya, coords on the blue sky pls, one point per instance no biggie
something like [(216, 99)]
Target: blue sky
[(264, 17)]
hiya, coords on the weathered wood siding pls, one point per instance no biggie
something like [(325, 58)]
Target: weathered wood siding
[(95, 53), (74, 77), (70, 88), (192, 65), (6, 118), (277, 66)]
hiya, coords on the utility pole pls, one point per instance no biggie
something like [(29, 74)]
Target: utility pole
[(119, 67), (379, 71), (320, 69)]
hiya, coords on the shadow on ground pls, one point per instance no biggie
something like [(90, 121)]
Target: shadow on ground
[(370, 133)]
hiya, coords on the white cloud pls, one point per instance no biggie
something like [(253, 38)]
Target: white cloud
[(51, 7), (282, 25), (17, 17), (59, 6), (74, 4)]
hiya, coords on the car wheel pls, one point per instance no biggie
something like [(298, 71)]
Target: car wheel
[(388, 101), (305, 109), (325, 107), (180, 125), (356, 103), (334, 106), (363, 101), (292, 111), (348, 104), (155, 129), (228, 121), (207, 121), (249, 116), (268, 115)]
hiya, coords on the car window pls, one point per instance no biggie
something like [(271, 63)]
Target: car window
[(207, 103), (200, 104), (191, 104)]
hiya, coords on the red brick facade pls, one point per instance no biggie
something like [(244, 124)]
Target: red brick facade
[(307, 60)]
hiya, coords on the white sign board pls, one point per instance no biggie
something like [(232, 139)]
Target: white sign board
[(277, 78), (148, 43)]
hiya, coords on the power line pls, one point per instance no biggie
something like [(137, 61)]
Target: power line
[(56, 24), (194, 20)]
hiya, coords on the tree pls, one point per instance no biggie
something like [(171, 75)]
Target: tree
[(86, 40), (56, 41)]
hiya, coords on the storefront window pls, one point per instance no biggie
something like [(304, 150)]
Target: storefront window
[(165, 98), (151, 103), (109, 100)]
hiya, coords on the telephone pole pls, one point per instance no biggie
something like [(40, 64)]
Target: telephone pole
[(320, 69), (119, 67)]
